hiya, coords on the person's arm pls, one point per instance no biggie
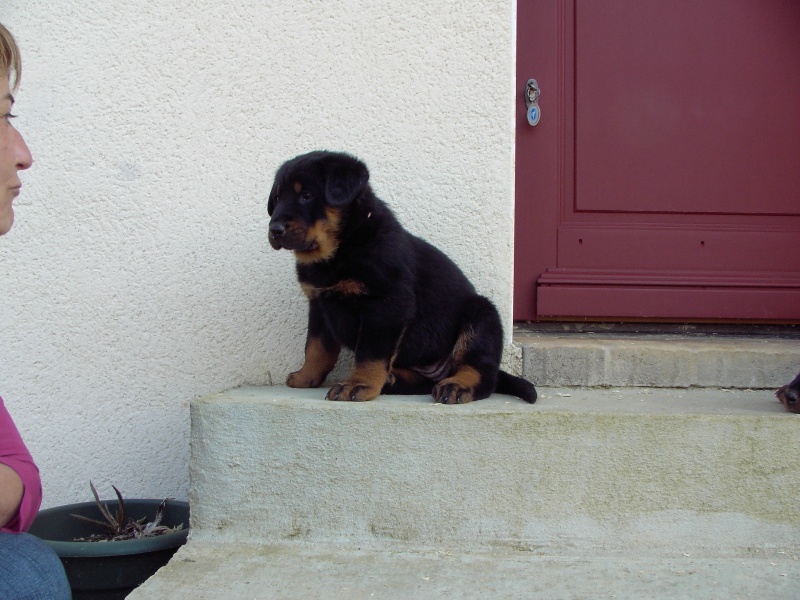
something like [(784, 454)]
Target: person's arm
[(20, 486), (10, 494)]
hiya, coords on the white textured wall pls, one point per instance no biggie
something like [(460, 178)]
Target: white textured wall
[(138, 273)]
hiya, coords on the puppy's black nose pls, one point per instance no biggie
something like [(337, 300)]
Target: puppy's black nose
[(277, 228)]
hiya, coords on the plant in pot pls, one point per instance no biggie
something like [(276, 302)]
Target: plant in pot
[(108, 548)]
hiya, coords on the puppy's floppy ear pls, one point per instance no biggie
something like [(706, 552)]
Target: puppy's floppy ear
[(280, 175), (273, 197), (345, 178)]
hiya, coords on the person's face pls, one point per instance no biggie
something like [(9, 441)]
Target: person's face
[(14, 157)]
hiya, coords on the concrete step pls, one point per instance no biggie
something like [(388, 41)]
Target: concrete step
[(589, 493), (613, 357), (582, 469)]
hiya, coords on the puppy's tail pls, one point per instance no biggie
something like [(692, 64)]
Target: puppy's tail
[(515, 386)]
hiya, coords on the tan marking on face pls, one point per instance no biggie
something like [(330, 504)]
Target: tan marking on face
[(317, 364), (309, 290), (324, 233), (297, 187)]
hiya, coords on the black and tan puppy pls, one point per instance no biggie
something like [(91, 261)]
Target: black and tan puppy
[(413, 320)]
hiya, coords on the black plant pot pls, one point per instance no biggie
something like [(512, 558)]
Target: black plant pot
[(110, 570)]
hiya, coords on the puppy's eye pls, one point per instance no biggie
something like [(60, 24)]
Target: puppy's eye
[(306, 197)]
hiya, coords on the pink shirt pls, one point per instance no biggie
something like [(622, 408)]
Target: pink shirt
[(14, 454)]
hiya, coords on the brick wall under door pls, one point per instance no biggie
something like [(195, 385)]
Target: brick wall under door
[(663, 179)]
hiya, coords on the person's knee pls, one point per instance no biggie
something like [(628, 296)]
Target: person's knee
[(30, 569)]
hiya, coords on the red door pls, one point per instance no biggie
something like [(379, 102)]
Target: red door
[(663, 179)]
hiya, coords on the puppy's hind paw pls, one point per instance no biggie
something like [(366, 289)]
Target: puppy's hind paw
[(451, 392)]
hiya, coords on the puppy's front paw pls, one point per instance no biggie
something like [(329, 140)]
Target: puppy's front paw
[(352, 392), (299, 379)]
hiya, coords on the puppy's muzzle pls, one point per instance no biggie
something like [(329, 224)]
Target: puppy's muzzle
[(276, 231), (289, 235)]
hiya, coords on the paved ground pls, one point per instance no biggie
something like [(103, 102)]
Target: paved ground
[(203, 571)]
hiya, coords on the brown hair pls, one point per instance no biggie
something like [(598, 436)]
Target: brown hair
[(10, 60)]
